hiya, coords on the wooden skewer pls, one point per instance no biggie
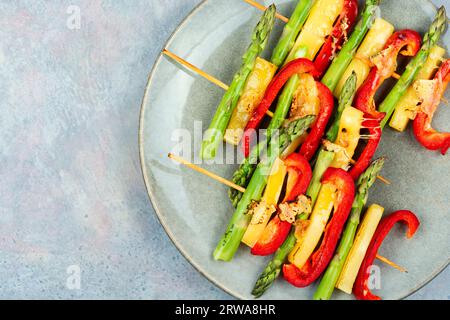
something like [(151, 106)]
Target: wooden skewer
[(395, 75), (241, 189), (195, 69), (383, 179), (379, 177), (259, 6), (206, 172), (392, 264), (202, 73)]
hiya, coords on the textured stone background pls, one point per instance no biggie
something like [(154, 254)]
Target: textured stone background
[(71, 191)]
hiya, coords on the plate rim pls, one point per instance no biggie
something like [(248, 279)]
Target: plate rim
[(148, 185)]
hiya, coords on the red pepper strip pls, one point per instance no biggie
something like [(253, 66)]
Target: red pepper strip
[(296, 66), (314, 138), (425, 134), (272, 238), (299, 176), (365, 95), (364, 159), (342, 27), (319, 260), (276, 231), (378, 74), (360, 288)]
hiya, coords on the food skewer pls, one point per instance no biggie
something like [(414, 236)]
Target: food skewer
[(200, 72), (261, 7), (430, 39), (225, 87), (283, 18), (241, 189), (195, 69), (392, 264), (206, 172)]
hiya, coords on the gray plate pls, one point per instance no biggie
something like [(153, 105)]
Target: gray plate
[(194, 210)]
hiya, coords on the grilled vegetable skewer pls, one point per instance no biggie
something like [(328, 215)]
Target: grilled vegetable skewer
[(308, 43), (264, 71), (214, 135), (230, 184), (407, 106), (429, 41), (324, 160), (230, 241), (345, 56), (366, 180)]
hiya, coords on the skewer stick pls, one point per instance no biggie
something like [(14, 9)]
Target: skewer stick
[(383, 179), (201, 73), (195, 69), (259, 6), (379, 177), (390, 263), (241, 189), (206, 172)]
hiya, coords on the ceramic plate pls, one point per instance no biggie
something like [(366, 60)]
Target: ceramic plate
[(194, 210)]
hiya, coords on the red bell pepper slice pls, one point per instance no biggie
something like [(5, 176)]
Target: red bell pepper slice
[(378, 74), (364, 159), (361, 288), (276, 231), (341, 28), (319, 260), (296, 66), (424, 133), (272, 238), (299, 176), (314, 138)]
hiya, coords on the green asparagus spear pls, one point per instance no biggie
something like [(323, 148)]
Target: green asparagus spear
[(430, 39), (213, 136), (348, 51), (345, 100), (291, 31), (366, 180), (229, 243), (273, 269), (242, 176)]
